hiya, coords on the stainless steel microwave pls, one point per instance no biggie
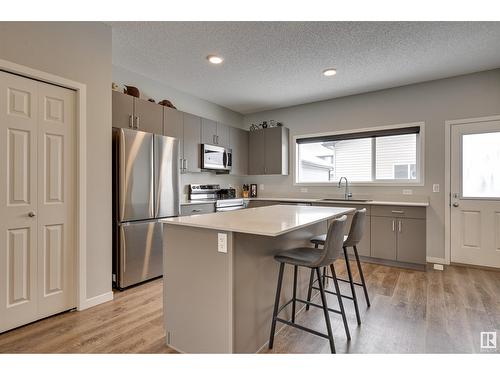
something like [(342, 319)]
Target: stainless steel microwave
[(216, 157)]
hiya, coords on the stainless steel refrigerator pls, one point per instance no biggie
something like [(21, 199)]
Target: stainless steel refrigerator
[(145, 189)]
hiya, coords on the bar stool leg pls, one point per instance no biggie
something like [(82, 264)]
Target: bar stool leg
[(339, 297), (294, 292), (360, 269), (276, 305), (325, 310), (309, 291), (353, 291)]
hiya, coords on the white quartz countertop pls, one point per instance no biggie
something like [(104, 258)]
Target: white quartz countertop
[(265, 221), (340, 201)]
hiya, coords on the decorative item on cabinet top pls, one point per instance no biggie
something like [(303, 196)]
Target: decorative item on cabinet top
[(265, 125), (134, 91), (167, 103)]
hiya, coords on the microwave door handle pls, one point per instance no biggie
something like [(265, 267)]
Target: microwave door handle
[(224, 159)]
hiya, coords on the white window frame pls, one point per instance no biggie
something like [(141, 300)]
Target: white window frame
[(420, 181)]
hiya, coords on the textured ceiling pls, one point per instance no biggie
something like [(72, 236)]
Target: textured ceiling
[(276, 64)]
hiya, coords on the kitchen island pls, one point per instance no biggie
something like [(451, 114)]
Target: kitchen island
[(220, 275)]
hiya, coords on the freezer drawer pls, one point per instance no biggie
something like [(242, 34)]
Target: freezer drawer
[(140, 252)]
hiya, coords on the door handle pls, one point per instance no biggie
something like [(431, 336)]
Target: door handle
[(456, 204), (32, 214)]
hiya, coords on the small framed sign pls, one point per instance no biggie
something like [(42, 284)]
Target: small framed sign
[(253, 191)]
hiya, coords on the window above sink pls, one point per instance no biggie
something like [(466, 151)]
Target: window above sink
[(389, 155)]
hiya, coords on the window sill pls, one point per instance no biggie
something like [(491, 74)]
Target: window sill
[(366, 184)]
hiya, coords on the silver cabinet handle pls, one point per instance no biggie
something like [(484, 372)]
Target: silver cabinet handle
[(393, 225), (137, 122), (185, 164), (31, 214), (130, 121), (397, 211), (399, 226), (195, 210), (217, 139)]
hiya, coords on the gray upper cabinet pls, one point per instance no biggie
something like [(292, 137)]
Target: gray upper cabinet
[(214, 133), (256, 158), (268, 151), (223, 135), (148, 116), (134, 113), (238, 142), (191, 143), (208, 131), (123, 110), (172, 123)]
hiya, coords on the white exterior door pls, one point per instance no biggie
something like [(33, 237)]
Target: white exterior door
[(37, 200), (475, 193)]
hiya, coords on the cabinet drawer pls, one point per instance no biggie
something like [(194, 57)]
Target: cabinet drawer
[(399, 211), (197, 209)]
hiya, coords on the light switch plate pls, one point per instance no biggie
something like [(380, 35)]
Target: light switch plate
[(435, 188), (407, 192), (222, 242)]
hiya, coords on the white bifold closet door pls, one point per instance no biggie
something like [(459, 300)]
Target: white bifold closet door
[(37, 200)]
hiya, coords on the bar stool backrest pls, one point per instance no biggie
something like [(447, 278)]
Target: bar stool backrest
[(357, 228), (334, 241)]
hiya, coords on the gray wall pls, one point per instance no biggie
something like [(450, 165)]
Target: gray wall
[(150, 88), (468, 96), (79, 51)]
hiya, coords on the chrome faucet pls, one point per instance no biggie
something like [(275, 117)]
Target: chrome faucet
[(347, 193)]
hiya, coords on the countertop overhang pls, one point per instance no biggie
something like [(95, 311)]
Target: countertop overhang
[(264, 221)]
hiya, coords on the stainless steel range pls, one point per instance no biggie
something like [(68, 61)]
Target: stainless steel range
[(225, 199)]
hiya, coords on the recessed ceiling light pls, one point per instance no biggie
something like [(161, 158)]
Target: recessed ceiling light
[(215, 59), (329, 72)]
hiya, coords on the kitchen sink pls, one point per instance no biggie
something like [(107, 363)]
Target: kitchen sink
[(345, 200)]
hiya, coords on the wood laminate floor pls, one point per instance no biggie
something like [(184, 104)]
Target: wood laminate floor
[(411, 312)]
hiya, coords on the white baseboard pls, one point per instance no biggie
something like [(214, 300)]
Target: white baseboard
[(436, 260), (97, 300)]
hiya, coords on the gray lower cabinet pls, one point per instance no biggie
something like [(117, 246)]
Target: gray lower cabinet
[(197, 209), (268, 151), (399, 233), (383, 238), (191, 143), (238, 142)]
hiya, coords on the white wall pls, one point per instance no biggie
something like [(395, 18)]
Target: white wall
[(79, 51), (468, 96), (151, 88)]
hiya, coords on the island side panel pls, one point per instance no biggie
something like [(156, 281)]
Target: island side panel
[(198, 293), (255, 277)]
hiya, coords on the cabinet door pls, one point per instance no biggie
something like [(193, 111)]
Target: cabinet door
[(208, 131), (223, 135), (383, 237), (191, 140), (148, 116), (173, 126), (238, 142), (256, 158), (411, 241), (276, 150), (123, 110)]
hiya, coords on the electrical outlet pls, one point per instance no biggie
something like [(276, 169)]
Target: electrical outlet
[(261, 187), (303, 190), (435, 188), (222, 242), (438, 267), (407, 192)]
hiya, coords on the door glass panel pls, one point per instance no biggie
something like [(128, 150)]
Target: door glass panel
[(481, 165)]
